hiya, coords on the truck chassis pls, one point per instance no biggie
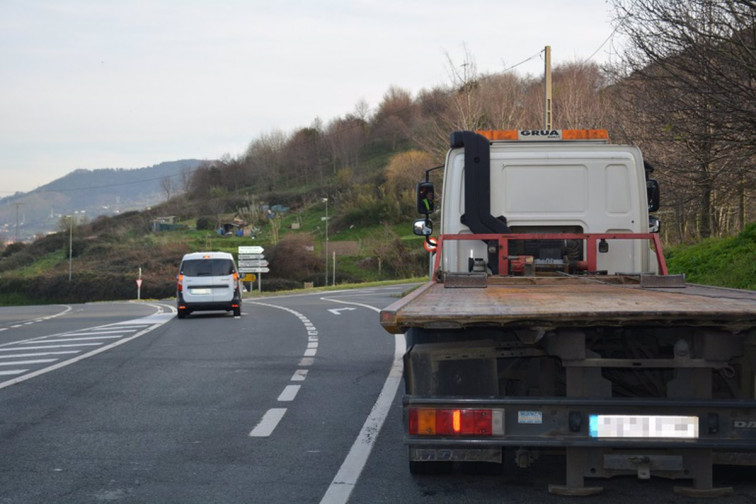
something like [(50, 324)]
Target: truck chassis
[(624, 374)]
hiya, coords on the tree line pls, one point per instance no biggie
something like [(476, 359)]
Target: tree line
[(683, 88)]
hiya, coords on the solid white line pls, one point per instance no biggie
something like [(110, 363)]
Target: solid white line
[(78, 339), (343, 483), (94, 333), (26, 362), (47, 347), (13, 372), (268, 423), (289, 393), (38, 354)]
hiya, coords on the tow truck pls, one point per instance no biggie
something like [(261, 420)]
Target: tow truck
[(551, 324)]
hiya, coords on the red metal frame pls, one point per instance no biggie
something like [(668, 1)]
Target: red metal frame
[(591, 239)]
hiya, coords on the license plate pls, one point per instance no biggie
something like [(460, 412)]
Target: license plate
[(201, 291), (644, 426)]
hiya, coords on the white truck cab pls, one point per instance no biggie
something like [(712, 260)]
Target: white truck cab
[(546, 182)]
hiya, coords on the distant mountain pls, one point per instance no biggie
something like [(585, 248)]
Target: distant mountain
[(90, 193)]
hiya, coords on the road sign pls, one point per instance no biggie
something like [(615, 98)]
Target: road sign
[(250, 249), (251, 256), (254, 263), (256, 269), (249, 277)]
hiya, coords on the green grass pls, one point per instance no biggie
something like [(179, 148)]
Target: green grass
[(726, 262)]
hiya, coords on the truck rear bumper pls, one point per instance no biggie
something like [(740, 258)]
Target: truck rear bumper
[(628, 423)]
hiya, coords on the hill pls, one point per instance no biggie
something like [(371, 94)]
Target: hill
[(727, 262), (90, 194)]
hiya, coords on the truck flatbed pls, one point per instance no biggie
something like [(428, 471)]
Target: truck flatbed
[(549, 302)]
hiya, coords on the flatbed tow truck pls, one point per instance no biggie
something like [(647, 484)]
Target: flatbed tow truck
[(551, 323)]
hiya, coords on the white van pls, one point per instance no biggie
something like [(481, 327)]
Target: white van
[(208, 281)]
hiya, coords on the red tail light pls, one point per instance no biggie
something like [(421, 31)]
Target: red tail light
[(180, 284), (455, 422)]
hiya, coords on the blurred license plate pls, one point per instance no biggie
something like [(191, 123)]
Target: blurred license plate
[(201, 291), (644, 426)]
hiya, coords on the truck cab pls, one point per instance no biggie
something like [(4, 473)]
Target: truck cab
[(546, 182)]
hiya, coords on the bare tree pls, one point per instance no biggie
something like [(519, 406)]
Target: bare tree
[(168, 186), (691, 69)]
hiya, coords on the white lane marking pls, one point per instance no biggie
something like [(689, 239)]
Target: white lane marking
[(94, 333), (27, 362), (299, 375), (289, 393), (13, 372), (268, 423), (155, 321), (68, 340), (345, 480), (337, 311), (46, 347), (39, 319), (37, 354)]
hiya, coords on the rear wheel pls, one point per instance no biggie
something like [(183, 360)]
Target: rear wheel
[(237, 311), (181, 313)]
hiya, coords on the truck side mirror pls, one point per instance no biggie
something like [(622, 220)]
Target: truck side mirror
[(652, 188), (422, 227), (425, 198)]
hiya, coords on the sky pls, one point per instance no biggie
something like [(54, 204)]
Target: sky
[(133, 83)]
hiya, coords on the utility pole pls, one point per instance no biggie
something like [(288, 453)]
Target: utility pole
[(18, 205), (70, 247), (547, 121), (326, 241)]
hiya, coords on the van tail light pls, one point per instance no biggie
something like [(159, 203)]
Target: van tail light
[(456, 422), (180, 283)]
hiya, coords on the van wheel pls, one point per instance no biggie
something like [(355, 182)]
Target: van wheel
[(237, 312), (181, 314)]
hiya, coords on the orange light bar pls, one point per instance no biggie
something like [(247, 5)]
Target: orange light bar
[(585, 134), (498, 134), (568, 134)]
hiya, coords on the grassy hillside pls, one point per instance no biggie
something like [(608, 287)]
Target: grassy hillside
[(108, 254), (727, 262)]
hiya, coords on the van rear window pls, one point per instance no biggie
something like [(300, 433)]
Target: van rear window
[(207, 267)]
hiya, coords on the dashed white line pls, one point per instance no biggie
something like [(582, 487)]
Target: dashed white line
[(299, 375), (273, 416), (268, 423), (289, 393)]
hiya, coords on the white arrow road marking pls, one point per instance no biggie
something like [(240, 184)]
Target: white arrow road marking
[(337, 311)]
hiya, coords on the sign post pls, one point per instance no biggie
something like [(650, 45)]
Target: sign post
[(252, 260), (139, 285)]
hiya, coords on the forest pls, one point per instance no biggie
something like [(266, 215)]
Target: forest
[(682, 88)]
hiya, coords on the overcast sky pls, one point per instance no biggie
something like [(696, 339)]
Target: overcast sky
[(129, 83)]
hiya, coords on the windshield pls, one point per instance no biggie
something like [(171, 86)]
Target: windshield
[(207, 267)]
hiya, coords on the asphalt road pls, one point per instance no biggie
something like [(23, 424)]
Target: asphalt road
[(298, 400)]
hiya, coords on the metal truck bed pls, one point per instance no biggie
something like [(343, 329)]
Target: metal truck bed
[(549, 302)]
